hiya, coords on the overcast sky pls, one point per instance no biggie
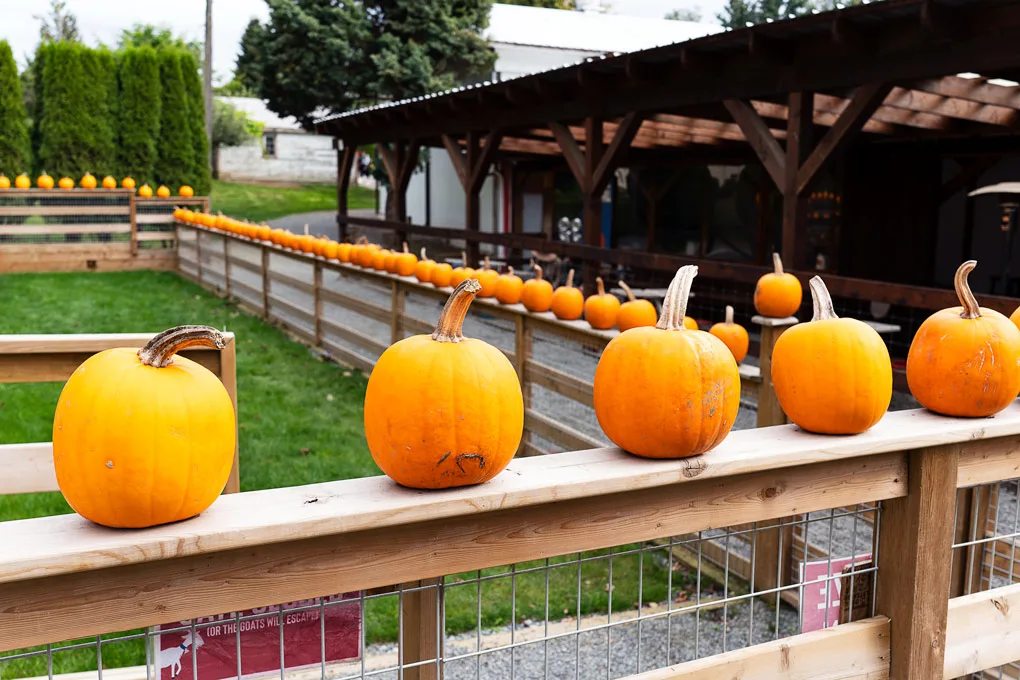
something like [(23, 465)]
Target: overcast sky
[(103, 20)]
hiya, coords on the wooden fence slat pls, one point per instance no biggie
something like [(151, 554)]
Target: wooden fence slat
[(564, 435), (559, 382), (253, 267), (303, 286), (293, 310), (347, 357), (62, 229), (982, 631), (28, 468), (72, 210), (358, 306), (353, 336)]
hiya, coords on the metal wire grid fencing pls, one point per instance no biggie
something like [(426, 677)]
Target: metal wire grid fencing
[(598, 614), (62, 216)]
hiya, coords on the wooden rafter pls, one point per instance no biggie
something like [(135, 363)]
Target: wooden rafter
[(914, 100), (456, 157), (485, 155), (888, 114), (971, 89), (622, 137), (760, 138), (825, 118), (570, 149)]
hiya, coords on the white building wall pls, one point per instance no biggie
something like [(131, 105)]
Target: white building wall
[(300, 157), (518, 60)]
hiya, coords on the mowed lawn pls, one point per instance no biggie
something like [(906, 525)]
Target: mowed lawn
[(258, 203), (300, 422)]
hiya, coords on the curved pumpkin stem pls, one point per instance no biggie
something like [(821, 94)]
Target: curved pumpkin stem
[(729, 314), (405, 247), (509, 270), (777, 264), (159, 351), (485, 265), (463, 259), (821, 301), (570, 279), (599, 286), (627, 290), (538, 272), (971, 310), (451, 320), (362, 239), (674, 307)]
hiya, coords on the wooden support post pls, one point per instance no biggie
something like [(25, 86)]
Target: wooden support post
[(472, 166), (397, 294), (916, 534), (345, 162), (228, 376), (798, 143), (198, 255), (265, 283), (522, 352), (226, 264), (317, 301), (421, 637), (133, 212), (769, 411)]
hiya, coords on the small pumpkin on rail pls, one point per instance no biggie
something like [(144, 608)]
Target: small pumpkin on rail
[(109, 182), (443, 410), (489, 278), (732, 334), (423, 270), (66, 183), (537, 294), (461, 273), (600, 309), (965, 361), (5, 182), (635, 313), (568, 301), (405, 262), (832, 375), (777, 294), (441, 275), (509, 288), (667, 391), (142, 437), (22, 182)]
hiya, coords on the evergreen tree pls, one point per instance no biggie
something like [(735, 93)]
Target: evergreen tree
[(14, 145), (96, 116), (138, 119), (38, 66), (66, 146), (200, 176), (248, 71), (175, 152), (740, 13)]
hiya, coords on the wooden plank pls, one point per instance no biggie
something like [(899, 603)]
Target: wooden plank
[(556, 431), (354, 337), (982, 631), (853, 651), (28, 468), (571, 152), (156, 236), (176, 572), (62, 229), (356, 305), (166, 218), (422, 611), (236, 261), (254, 293), (456, 155), (559, 382), (396, 312), (278, 303), (413, 325), (72, 210), (760, 138), (266, 281), (317, 302), (916, 536), (228, 376), (622, 138), (347, 357), (69, 194), (985, 463), (769, 410), (303, 286)]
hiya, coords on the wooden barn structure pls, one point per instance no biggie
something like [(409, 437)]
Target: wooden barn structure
[(845, 140)]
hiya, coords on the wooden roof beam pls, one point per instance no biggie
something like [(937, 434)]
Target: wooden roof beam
[(760, 138), (887, 114), (971, 89), (823, 118), (916, 101)]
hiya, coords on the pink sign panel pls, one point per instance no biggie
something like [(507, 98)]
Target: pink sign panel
[(212, 650), (821, 594)]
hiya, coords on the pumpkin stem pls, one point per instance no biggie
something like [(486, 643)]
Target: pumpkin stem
[(509, 271), (729, 314), (627, 290), (674, 307), (405, 247), (538, 272), (306, 230), (821, 301), (971, 310), (570, 279), (463, 259), (423, 253), (486, 264), (451, 320), (362, 239), (599, 286), (777, 264), (159, 351)]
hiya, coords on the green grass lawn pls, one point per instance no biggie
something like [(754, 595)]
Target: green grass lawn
[(300, 422), (259, 203)]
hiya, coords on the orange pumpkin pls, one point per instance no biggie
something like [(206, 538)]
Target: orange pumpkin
[(145, 191), (44, 181), (965, 361), (690, 323), (5, 183), (732, 334), (142, 437), (127, 183), (442, 274), (489, 278), (634, 313), (405, 262), (88, 181), (423, 270), (343, 252), (778, 294), (600, 310), (66, 183), (186, 191), (379, 259), (667, 391), (444, 410), (537, 293), (368, 251), (832, 375), (163, 192), (461, 273), (509, 288), (109, 182), (330, 250), (22, 182), (567, 301)]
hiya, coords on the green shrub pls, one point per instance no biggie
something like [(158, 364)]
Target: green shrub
[(64, 148), (38, 66), (175, 151), (200, 177), (14, 146), (97, 115), (138, 117)]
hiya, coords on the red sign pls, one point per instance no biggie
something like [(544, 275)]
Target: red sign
[(212, 649), (821, 592)]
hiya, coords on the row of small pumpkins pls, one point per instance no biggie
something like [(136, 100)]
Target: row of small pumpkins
[(442, 410), (89, 181)]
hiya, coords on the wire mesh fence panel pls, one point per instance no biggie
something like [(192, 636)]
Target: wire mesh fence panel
[(65, 216)]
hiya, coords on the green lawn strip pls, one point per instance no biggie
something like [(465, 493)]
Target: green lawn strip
[(300, 423), (259, 203)]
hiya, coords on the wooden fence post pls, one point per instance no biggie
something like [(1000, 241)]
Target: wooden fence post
[(265, 283), (198, 255), (133, 212), (916, 536), (317, 302), (522, 353), (422, 610), (228, 375), (226, 263), (396, 312), (769, 411)]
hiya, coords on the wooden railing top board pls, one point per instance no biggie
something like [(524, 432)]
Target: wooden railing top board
[(54, 545), (77, 342)]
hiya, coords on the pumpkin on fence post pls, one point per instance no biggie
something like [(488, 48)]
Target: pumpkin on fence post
[(567, 301), (732, 334), (163, 191), (536, 296), (22, 182), (142, 437), (965, 361), (444, 410), (5, 182), (128, 183), (109, 182), (423, 270), (832, 375), (777, 294), (88, 181), (634, 313), (489, 278), (66, 183), (667, 391), (600, 309), (405, 262), (509, 287)]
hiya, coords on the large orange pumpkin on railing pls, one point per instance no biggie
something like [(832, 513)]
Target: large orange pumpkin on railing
[(185, 191), (777, 294), (143, 437), (442, 274), (44, 181), (567, 301), (509, 288), (635, 313), (832, 375), (163, 191), (536, 296), (965, 361), (600, 309), (145, 191), (444, 410), (127, 183), (667, 391)]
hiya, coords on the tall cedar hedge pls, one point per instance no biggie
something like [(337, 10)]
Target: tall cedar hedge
[(98, 115), (175, 152), (14, 142), (200, 175), (138, 118)]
